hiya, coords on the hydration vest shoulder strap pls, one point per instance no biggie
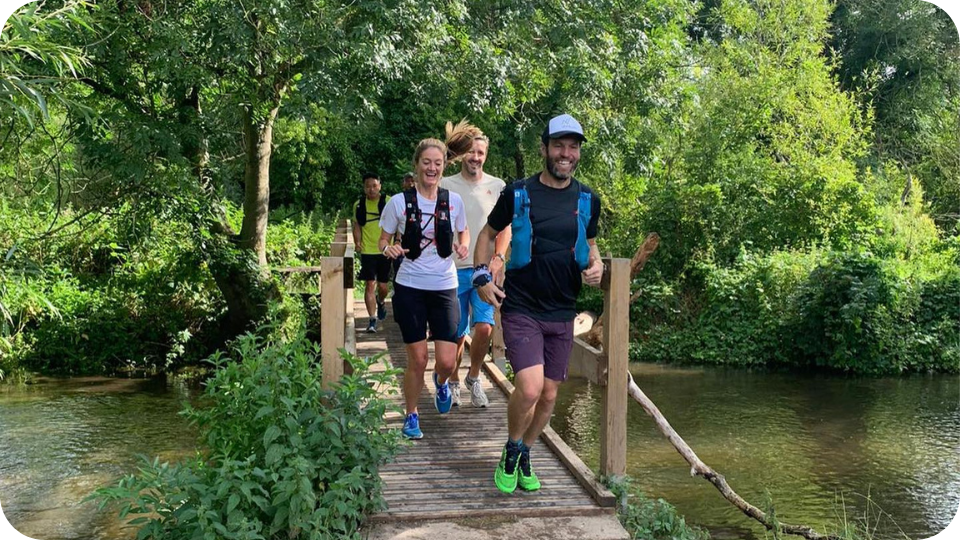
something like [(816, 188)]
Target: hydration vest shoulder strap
[(443, 224), (361, 213), (521, 243), (584, 209), (412, 234)]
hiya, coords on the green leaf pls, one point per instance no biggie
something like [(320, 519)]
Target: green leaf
[(270, 435), (233, 502)]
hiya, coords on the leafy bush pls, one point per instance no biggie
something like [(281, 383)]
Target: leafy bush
[(847, 311), (110, 294), (648, 519), (282, 458), (856, 313), (296, 239)]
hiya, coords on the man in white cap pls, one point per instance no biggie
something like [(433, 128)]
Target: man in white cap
[(553, 251)]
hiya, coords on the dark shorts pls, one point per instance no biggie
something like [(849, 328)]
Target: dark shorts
[(374, 267), (396, 266), (414, 309), (530, 342)]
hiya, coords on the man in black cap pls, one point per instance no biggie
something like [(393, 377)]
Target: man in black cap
[(553, 251)]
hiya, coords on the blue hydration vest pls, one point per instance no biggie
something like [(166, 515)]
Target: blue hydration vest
[(521, 244)]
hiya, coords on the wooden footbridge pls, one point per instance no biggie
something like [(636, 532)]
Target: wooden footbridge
[(444, 482)]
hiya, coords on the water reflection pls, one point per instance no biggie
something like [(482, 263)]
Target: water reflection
[(808, 439), (62, 439)]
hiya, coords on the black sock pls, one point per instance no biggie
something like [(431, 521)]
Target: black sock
[(524, 459), (513, 455)]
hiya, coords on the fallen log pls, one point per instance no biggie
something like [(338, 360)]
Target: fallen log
[(583, 322), (699, 468)]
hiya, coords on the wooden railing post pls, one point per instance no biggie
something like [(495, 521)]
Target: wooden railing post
[(333, 318), (616, 341), (350, 339)]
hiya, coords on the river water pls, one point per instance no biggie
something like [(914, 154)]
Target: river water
[(806, 439), (887, 448), (62, 439)]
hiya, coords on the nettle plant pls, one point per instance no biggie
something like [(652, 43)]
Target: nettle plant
[(282, 457)]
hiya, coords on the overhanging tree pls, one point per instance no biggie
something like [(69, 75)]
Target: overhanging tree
[(202, 82)]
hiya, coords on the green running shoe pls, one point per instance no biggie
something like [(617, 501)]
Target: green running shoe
[(504, 477), (526, 479)]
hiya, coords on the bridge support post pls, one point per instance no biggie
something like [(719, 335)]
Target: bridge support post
[(333, 318), (616, 342)]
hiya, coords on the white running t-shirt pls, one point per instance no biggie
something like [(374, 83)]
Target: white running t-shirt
[(429, 272), (479, 199)]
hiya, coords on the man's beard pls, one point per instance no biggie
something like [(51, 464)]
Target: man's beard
[(552, 169)]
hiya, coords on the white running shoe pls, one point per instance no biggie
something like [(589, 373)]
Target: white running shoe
[(455, 392), (477, 396)]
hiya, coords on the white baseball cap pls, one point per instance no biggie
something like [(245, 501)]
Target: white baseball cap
[(562, 126)]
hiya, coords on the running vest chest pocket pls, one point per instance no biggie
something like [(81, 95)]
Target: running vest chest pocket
[(412, 239)]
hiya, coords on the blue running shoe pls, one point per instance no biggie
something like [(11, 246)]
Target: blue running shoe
[(411, 427), (444, 400)]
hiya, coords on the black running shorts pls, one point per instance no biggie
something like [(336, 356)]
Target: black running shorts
[(414, 309), (375, 267)]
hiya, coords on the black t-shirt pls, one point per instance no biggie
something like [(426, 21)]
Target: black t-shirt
[(547, 288)]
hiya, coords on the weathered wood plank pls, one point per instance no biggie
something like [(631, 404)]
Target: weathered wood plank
[(430, 514), (298, 270), (616, 339), (449, 473), (587, 362), (332, 319)]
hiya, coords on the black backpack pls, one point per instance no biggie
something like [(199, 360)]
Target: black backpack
[(361, 214), (443, 228)]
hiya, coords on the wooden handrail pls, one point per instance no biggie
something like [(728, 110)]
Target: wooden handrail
[(337, 326)]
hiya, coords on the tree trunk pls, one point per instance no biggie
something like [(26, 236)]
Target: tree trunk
[(245, 285), (237, 270), (194, 142), (518, 161), (257, 139)]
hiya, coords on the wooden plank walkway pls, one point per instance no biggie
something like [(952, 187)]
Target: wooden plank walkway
[(448, 474)]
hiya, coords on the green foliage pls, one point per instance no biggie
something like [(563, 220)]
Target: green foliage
[(33, 64), (648, 519), (299, 239), (845, 311), (99, 296), (282, 458), (764, 153), (730, 127), (105, 295), (855, 313), (904, 58)]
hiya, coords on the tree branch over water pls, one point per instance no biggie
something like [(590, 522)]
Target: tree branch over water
[(699, 468)]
